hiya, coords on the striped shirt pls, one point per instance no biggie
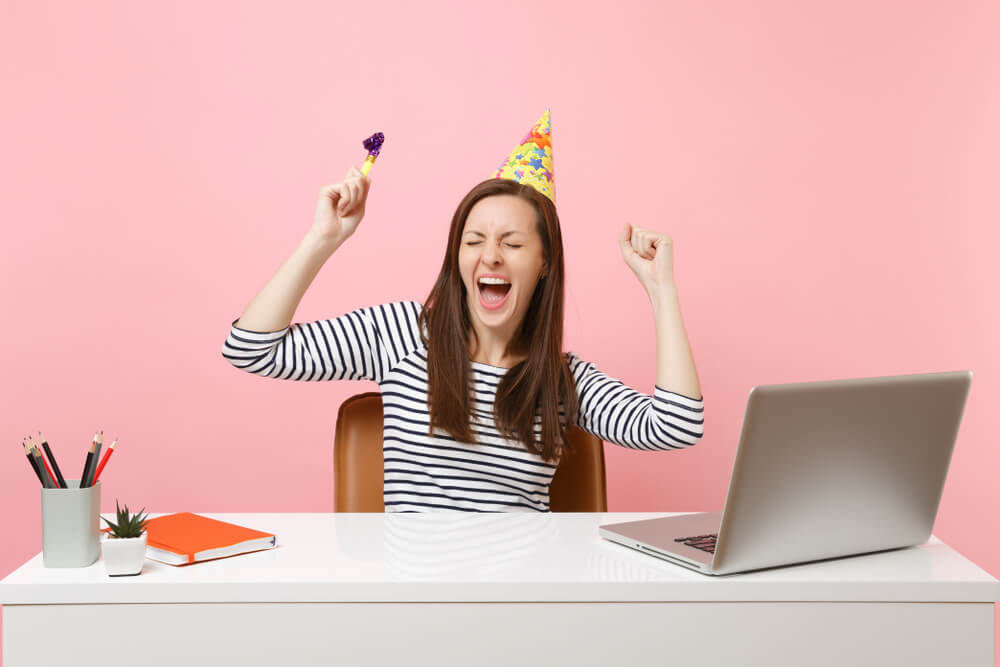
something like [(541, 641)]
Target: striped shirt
[(436, 472)]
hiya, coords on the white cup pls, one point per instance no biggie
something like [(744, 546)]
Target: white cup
[(70, 529)]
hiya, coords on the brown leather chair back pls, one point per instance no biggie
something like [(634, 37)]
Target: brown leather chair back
[(358, 464)]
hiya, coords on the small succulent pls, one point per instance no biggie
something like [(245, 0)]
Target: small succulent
[(129, 525)]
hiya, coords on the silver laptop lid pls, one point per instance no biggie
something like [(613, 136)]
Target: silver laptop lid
[(826, 469)]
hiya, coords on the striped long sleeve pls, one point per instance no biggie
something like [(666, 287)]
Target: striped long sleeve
[(623, 416), (431, 471), (360, 345)]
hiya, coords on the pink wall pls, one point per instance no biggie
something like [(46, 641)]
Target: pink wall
[(828, 176)]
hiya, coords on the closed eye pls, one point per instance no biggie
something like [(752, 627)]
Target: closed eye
[(509, 245)]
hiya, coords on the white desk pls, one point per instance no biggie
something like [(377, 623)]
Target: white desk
[(469, 589)]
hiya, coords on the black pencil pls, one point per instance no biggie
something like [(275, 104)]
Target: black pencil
[(52, 460), (93, 462), (86, 464), (34, 466), (43, 464), (36, 453)]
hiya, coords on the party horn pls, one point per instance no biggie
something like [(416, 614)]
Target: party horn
[(373, 144)]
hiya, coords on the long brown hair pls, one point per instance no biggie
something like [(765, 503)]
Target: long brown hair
[(535, 386)]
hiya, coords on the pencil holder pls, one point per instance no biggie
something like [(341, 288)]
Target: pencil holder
[(70, 527)]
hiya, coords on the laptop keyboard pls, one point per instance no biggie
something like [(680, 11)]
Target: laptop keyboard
[(703, 542)]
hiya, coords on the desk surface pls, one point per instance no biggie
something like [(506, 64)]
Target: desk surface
[(475, 557)]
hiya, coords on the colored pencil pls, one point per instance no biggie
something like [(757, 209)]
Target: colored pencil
[(93, 463), (48, 469), (41, 457), (34, 466), (104, 461), (55, 466), (40, 462), (90, 457)]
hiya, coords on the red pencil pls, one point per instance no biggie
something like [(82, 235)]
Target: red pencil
[(104, 460)]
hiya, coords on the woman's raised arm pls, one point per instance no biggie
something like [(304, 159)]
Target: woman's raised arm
[(339, 211)]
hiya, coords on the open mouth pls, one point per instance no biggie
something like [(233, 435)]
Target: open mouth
[(493, 292)]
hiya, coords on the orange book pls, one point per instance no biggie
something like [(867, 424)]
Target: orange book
[(183, 538)]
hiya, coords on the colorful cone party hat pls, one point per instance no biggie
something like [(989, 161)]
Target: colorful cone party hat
[(531, 162)]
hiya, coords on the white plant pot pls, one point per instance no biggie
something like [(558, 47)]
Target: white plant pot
[(123, 557)]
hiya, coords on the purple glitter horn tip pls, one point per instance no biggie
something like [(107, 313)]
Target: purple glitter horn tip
[(374, 143)]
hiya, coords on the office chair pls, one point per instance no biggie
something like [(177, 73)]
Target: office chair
[(578, 485)]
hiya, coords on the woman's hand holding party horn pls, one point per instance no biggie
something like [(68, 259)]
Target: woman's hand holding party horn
[(340, 208)]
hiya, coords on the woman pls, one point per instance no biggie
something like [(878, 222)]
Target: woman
[(476, 389)]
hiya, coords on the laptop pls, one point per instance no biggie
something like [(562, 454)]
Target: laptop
[(823, 470)]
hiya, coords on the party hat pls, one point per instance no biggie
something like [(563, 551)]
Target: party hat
[(531, 162)]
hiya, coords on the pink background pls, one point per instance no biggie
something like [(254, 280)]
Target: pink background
[(828, 175)]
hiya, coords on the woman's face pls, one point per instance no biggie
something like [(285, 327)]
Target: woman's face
[(500, 244)]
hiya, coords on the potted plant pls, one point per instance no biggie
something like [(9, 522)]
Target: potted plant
[(124, 547)]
